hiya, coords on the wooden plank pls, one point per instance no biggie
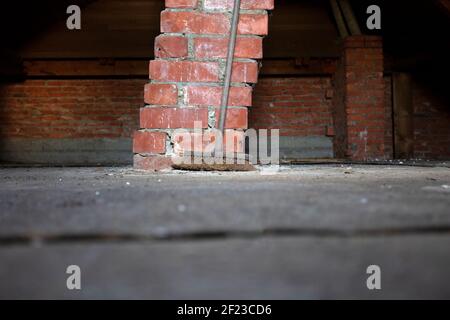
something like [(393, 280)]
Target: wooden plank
[(139, 67), (339, 18), (298, 67), (110, 28), (86, 68), (127, 29), (444, 5), (403, 116), (301, 29), (350, 17)]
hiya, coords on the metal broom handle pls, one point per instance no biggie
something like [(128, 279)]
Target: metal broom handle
[(229, 65)]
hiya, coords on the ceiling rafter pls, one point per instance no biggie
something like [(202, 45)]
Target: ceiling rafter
[(444, 5)]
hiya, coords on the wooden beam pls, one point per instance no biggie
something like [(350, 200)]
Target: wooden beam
[(444, 5), (139, 68), (86, 68), (349, 16), (403, 116), (298, 67), (339, 19)]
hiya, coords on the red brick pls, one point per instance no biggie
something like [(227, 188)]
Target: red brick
[(188, 142), (149, 142), (212, 96), (363, 41), (153, 163), (361, 116), (171, 47), (194, 22), (257, 24), (184, 71), (172, 118), (211, 23), (217, 48), (329, 94), (236, 118), (181, 3), (71, 108), (235, 138), (297, 106), (330, 131), (246, 4), (161, 94), (245, 72)]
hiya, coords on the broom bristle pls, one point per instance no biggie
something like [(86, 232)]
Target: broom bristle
[(199, 164)]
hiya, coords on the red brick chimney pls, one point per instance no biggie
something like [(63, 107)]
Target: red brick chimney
[(187, 74), (359, 100)]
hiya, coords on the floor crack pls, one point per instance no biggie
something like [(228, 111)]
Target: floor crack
[(34, 240)]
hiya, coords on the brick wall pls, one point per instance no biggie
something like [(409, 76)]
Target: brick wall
[(389, 126), (296, 106), (101, 108), (188, 72), (69, 122), (360, 100), (58, 109), (70, 108), (431, 122), (340, 141)]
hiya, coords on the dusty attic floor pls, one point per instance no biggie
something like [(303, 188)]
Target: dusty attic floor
[(303, 232)]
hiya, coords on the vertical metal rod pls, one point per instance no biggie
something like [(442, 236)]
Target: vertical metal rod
[(229, 65)]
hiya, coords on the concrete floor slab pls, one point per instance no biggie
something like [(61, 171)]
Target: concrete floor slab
[(53, 202), (412, 267), (300, 232)]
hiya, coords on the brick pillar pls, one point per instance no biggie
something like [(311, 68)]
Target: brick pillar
[(359, 105), (187, 74)]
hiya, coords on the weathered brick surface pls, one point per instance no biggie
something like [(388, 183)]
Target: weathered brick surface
[(360, 114), (152, 162), (194, 22), (149, 142), (211, 96), (389, 128), (245, 4), (184, 71), (171, 47), (431, 121), (212, 23), (173, 118), (181, 3), (245, 72), (257, 24), (188, 73), (188, 142), (296, 106), (207, 48), (161, 94), (237, 118), (70, 109)]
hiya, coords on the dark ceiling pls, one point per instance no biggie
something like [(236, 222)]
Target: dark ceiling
[(413, 31)]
